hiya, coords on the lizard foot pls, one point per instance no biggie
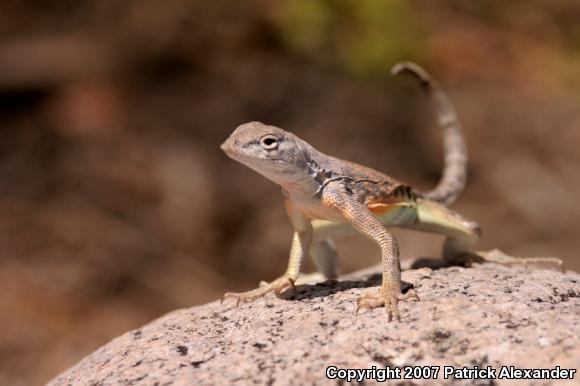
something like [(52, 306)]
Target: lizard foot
[(499, 257), (278, 285), (388, 298)]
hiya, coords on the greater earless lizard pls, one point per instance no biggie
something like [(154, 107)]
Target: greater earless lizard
[(327, 197)]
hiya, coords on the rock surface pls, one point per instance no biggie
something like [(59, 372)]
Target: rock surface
[(486, 315)]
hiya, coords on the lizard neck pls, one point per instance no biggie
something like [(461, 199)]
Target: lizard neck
[(304, 186), (313, 178)]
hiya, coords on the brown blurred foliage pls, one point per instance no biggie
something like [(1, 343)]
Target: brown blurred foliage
[(117, 204)]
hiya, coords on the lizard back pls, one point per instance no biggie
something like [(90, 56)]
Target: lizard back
[(378, 191)]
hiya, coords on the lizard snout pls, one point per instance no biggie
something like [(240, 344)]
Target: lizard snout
[(230, 146), (227, 146)]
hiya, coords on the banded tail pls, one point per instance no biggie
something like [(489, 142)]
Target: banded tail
[(454, 174)]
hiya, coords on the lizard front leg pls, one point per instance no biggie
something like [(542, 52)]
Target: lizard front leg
[(336, 195), (301, 242)]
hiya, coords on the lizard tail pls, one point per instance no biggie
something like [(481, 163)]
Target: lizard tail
[(454, 174)]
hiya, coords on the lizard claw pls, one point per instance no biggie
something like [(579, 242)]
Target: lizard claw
[(410, 294), (388, 298), (232, 295), (284, 285)]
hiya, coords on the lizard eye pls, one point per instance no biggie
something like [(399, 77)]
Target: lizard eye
[(269, 142)]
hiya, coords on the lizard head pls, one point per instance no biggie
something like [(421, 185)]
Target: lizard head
[(274, 153)]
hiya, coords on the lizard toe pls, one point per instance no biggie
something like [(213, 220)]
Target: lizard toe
[(277, 286), (499, 257), (388, 298), (369, 301)]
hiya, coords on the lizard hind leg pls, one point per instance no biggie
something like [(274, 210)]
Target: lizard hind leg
[(325, 258), (462, 234)]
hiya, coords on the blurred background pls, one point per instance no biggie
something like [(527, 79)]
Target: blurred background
[(117, 205)]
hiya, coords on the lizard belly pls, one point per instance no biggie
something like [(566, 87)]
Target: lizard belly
[(312, 209), (398, 215)]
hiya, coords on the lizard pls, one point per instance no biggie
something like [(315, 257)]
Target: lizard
[(326, 197)]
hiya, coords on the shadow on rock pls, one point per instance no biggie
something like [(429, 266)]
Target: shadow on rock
[(330, 287)]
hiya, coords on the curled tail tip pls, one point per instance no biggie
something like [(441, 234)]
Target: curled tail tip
[(400, 67), (414, 69), (454, 172), (411, 68)]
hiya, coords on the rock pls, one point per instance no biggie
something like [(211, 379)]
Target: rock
[(488, 315)]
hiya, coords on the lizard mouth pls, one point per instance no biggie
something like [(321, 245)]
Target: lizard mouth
[(231, 151), (247, 159)]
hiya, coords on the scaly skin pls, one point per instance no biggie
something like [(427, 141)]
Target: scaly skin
[(327, 197)]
